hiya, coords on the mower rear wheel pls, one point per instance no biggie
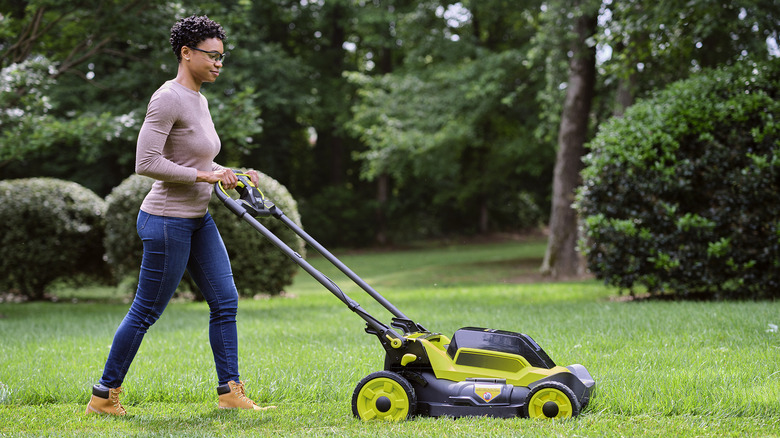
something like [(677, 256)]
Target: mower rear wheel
[(384, 395), (551, 400)]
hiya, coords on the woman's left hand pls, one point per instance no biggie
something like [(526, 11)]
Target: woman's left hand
[(225, 176), (254, 176), (228, 178)]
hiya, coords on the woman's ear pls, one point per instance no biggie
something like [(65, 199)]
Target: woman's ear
[(185, 53)]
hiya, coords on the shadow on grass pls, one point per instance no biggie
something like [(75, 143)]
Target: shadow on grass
[(187, 416)]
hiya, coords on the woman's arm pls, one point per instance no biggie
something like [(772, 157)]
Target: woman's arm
[(161, 114)]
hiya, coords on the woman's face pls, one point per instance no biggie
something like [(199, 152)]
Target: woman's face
[(204, 67)]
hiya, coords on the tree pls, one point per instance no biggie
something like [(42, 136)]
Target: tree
[(377, 52), (657, 43), (360, 107), (652, 44), (86, 128), (453, 127), (105, 59), (561, 258)]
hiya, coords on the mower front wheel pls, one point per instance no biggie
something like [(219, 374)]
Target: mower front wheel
[(551, 400), (384, 395)]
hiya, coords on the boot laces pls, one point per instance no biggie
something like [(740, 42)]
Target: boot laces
[(241, 393), (113, 396)]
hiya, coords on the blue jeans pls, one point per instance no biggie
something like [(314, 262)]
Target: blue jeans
[(172, 245)]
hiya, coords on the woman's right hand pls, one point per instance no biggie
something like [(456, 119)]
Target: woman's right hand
[(227, 177)]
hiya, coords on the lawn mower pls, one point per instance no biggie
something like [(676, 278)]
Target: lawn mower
[(477, 372)]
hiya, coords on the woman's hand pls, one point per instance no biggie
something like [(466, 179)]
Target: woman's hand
[(227, 177), (254, 176)]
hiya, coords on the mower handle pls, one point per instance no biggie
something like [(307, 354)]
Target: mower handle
[(251, 200), (252, 203)]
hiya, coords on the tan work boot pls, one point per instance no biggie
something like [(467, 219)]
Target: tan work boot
[(105, 401), (233, 396)]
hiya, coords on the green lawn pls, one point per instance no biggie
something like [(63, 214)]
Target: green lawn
[(661, 368)]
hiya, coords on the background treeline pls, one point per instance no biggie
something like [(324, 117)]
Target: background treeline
[(386, 120)]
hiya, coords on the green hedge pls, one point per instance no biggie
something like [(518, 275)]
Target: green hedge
[(682, 194), (258, 266), (49, 229)]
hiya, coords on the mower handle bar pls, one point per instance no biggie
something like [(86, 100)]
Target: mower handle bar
[(262, 207)]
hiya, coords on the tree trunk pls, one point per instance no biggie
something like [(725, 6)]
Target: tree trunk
[(626, 88), (386, 66), (484, 216), (625, 94), (562, 259), (382, 193)]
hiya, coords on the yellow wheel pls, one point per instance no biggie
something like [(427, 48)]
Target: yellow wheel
[(552, 400), (384, 395)]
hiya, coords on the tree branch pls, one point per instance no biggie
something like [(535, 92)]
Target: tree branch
[(24, 45), (69, 62)]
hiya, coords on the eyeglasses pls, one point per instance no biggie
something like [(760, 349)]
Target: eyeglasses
[(212, 54)]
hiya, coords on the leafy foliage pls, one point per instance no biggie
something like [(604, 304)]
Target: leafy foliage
[(30, 128), (479, 82), (463, 131), (257, 265), (329, 210), (665, 40), (682, 194), (49, 229)]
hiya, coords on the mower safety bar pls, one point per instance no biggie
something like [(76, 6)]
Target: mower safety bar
[(244, 210)]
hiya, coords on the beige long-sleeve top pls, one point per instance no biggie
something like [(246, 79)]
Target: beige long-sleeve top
[(176, 140)]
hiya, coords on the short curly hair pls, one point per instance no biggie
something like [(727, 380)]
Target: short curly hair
[(192, 30)]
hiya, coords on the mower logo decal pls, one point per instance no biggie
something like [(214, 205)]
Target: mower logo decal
[(487, 392)]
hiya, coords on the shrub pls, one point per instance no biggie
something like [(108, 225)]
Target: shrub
[(122, 245), (49, 229), (682, 194), (258, 266)]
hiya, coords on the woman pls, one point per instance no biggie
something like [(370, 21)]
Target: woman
[(176, 146)]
